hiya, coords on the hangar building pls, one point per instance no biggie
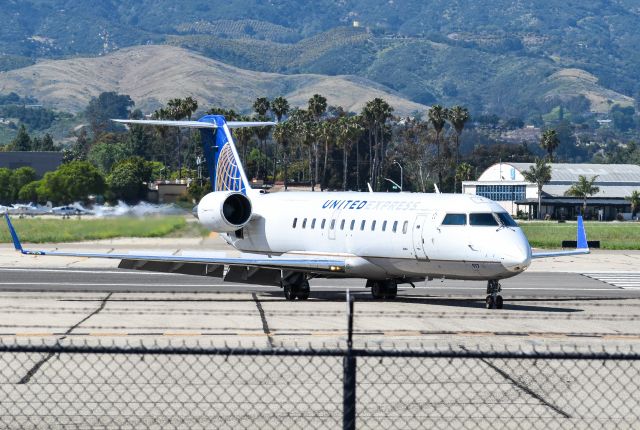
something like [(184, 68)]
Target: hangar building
[(504, 183)]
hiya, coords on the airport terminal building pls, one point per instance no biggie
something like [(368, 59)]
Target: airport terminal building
[(504, 183)]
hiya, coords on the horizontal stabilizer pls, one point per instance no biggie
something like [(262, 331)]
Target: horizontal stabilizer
[(193, 124)]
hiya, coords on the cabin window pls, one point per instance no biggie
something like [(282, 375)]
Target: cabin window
[(304, 223), (455, 219), (313, 223), (362, 224), (395, 226), (323, 223), (333, 224), (295, 221), (405, 227), (506, 219), (373, 225), (353, 224), (384, 226), (342, 225), (483, 220)]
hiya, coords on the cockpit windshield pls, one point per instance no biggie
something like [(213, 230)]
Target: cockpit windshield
[(483, 219), (506, 219)]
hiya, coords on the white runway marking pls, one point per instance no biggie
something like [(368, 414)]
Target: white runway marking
[(625, 280)]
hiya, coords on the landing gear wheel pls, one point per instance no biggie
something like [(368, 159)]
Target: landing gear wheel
[(494, 300), (390, 290), (489, 302), (303, 291), (377, 290), (289, 292)]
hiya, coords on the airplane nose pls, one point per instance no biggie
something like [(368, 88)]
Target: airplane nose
[(517, 257)]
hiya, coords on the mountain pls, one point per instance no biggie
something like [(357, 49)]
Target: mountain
[(509, 57), (153, 74)]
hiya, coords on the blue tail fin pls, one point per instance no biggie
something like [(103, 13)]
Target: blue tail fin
[(223, 163), (16, 241)]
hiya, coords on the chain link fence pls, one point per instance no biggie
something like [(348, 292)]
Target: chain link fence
[(133, 386)]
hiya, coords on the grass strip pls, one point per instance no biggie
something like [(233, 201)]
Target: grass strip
[(39, 230), (612, 235)]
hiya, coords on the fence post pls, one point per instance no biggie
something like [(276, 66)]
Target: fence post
[(349, 374)]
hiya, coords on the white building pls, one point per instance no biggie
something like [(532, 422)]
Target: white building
[(504, 183)]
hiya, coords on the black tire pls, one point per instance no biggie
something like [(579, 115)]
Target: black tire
[(499, 302), (391, 290), (489, 302), (303, 292), (376, 290), (289, 292)]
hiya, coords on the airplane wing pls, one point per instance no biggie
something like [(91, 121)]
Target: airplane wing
[(232, 269), (581, 248)]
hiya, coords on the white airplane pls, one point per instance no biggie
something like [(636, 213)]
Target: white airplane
[(386, 238)]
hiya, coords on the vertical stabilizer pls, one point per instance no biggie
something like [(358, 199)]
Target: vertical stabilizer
[(223, 163)]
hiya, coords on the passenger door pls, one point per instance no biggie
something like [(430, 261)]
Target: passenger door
[(424, 235)]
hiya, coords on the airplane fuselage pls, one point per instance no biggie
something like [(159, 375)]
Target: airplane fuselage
[(388, 235)]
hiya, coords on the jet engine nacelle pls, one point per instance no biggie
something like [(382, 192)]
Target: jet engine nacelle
[(224, 211)]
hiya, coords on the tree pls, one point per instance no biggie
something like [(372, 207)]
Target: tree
[(583, 189), (261, 106), (539, 174), (71, 182), (375, 115), (458, 117), (108, 151), (127, 178), (29, 192), (549, 142), (19, 178), (349, 131), (464, 172), (317, 106), (634, 201), (437, 117), (280, 107), (5, 186), (107, 106), (282, 134), (22, 141), (46, 144)]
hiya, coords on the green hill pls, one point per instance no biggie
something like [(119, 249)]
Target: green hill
[(501, 56)]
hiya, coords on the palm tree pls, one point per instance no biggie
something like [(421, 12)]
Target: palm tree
[(280, 107), (584, 188), (375, 114), (437, 118), (261, 106), (327, 132), (458, 116), (317, 106), (539, 174), (634, 200), (464, 172), (549, 142), (282, 134), (349, 131)]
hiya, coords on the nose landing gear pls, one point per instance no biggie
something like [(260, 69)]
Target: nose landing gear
[(494, 300)]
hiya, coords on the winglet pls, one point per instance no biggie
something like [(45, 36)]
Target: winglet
[(581, 235), (14, 235)]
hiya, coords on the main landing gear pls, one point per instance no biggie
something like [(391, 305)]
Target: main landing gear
[(387, 289), (494, 300), (296, 288)]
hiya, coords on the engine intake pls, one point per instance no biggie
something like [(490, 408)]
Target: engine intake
[(224, 211)]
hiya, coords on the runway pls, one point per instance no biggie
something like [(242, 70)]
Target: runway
[(565, 308)]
